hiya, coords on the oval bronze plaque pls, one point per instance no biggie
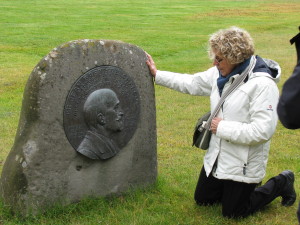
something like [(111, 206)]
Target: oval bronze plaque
[(102, 79)]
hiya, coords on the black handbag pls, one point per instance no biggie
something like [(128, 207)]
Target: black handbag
[(202, 133)]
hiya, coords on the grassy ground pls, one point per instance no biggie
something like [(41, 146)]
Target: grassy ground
[(175, 34)]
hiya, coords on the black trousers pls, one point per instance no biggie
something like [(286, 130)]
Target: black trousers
[(238, 199), (298, 213)]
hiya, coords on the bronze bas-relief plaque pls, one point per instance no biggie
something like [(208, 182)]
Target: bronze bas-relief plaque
[(101, 112)]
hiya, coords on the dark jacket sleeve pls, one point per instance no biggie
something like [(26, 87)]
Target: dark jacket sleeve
[(289, 103)]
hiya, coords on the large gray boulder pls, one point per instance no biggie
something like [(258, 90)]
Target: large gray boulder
[(52, 160)]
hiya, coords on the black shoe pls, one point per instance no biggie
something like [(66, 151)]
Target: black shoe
[(288, 193)]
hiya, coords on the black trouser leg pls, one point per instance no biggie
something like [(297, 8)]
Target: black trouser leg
[(208, 190), (238, 199), (235, 201), (298, 213), (263, 195)]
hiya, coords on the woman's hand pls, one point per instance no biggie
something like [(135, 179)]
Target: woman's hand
[(151, 65), (214, 124)]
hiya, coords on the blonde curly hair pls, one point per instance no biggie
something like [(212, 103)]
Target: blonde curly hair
[(234, 44)]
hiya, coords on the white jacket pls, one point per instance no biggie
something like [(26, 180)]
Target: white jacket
[(239, 150)]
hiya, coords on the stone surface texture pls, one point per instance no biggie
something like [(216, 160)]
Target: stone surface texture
[(42, 168)]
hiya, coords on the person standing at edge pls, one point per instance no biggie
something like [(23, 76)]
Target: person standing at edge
[(288, 108), (236, 160)]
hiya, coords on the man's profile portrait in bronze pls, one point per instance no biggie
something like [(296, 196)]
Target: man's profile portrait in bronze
[(103, 116)]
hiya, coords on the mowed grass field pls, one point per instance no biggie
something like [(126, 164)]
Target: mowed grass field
[(175, 33)]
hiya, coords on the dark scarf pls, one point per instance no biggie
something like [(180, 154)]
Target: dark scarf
[(221, 81)]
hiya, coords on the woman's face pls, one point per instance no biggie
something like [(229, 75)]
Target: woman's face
[(223, 65)]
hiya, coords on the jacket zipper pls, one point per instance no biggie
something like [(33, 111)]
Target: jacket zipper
[(244, 169)]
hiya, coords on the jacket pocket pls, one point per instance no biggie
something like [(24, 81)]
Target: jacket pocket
[(233, 158)]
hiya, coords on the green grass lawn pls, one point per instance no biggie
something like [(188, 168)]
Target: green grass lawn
[(175, 33)]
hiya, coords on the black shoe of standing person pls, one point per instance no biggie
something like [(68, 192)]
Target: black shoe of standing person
[(288, 193)]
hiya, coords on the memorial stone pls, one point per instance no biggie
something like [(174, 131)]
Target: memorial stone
[(87, 127)]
